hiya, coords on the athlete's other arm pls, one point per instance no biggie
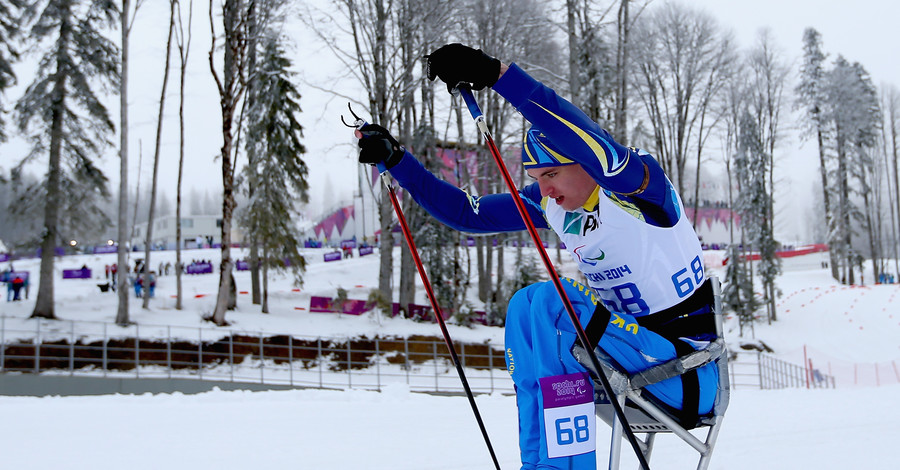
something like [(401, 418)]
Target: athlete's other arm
[(447, 203)]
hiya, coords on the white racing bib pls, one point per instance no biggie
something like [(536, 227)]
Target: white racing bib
[(634, 267), (569, 423)]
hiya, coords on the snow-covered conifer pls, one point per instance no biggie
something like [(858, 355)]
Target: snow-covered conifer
[(278, 174), (65, 119)]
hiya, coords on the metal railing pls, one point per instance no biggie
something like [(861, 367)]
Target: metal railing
[(764, 371), (162, 351)]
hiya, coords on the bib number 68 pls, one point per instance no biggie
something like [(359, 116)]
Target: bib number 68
[(685, 281), (569, 431)]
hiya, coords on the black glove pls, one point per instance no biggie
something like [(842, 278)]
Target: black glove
[(376, 145), (455, 63)]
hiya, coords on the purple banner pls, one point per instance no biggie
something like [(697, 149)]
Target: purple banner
[(76, 273), (105, 249), (59, 251), (348, 243), (333, 256), (242, 265), (566, 390), (199, 268), (9, 276), (325, 304), (4, 257), (366, 250)]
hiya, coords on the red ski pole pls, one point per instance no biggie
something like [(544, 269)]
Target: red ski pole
[(438, 315), (478, 116)]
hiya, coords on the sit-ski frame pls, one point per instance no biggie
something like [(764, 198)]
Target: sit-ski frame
[(644, 416)]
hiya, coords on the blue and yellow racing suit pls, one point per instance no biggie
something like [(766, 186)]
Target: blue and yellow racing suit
[(632, 240)]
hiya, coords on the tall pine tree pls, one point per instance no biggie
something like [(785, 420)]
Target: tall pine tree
[(853, 114), (64, 119), (812, 100), (278, 178)]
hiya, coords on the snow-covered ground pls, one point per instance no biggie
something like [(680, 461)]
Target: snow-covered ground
[(853, 426)]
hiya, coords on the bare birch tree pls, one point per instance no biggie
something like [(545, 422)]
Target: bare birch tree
[(737, 294), (768, 77), (231, 85), (126, 20), (148, 244), (677, 62), (382, 54), (183, 40), (517, 31)]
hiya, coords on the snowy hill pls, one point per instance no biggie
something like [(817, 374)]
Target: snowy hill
[(849, 427)]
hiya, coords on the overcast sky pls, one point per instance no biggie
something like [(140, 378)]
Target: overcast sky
[(861, 31)]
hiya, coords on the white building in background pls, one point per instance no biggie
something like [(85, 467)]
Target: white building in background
[(197, 231)]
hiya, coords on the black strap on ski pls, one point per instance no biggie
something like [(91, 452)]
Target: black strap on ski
[(478, 116), (438, 315)]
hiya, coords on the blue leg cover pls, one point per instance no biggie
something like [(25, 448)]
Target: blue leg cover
[(539, 336)]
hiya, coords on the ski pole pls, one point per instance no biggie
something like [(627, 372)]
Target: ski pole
[(439, 316), (437, 313), (478, 116)]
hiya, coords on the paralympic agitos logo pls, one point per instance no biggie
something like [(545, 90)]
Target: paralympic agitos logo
[(592, 261)]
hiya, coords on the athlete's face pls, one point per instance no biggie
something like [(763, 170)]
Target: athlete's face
[(569, 185)]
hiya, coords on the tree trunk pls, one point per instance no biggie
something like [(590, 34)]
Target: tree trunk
[(620, 119), (184, 50), (572, 35), (123, 232), (153, 184), (489, 268), (893, 119), (264, 301), (843, 210), (829, 220), (386, 247), (252, 157), (483, 273), (697, 174), (501, 300), (871, 209), (378, 103), (408, 270), (408, 273), (230, 93), (232, 292), (44, 305)]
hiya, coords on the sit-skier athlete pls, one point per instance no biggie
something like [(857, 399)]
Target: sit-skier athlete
[(624, 224)]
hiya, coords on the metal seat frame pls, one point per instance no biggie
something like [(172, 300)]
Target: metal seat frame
[(644, 414)]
